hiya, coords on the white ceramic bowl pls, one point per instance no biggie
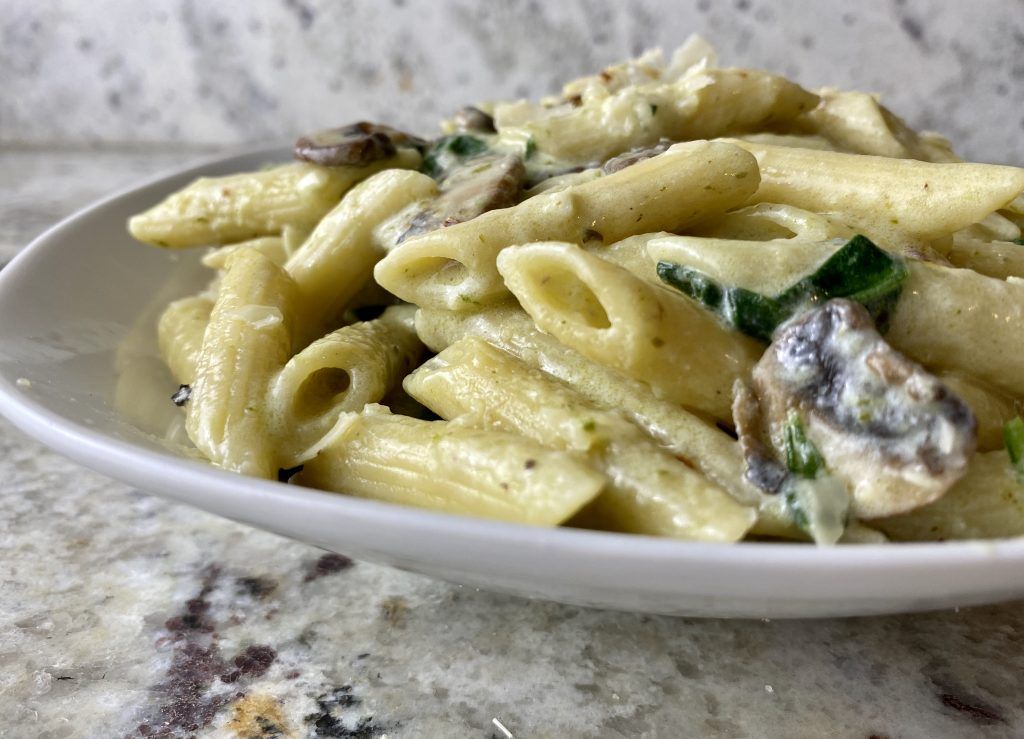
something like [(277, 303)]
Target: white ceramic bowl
[(83, 298)]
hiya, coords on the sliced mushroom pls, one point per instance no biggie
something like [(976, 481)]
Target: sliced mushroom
[(894, 434), (353, 145), (633, 156), (818, 504), (478, 185), (764, 471), (473, 120)]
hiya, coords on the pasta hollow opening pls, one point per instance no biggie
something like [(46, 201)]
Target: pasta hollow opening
[(321, 391), (569, 295), (438, 270)]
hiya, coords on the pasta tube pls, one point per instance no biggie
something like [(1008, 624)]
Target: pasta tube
[(688, 437), (987, 503), (222, 210), (999, 259), (337, 259), (272, 247), (956, 319), (448, 467), (951, 319), (649, 491), (180, 335), (921, 199), (454, 268), (703, 104), (247, 342), (611, 316), (991, 408), (856, 122), (343, 371)]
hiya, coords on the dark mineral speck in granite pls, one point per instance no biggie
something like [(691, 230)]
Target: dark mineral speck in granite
[(328, 564), (976, 710), (256, 587)]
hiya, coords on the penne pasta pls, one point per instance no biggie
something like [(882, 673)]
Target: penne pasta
[(640, 326), (247, 341), (921, 199), (449, 467), (223, 210), (649, 491), (690, 438), (613, 317), (455, 268), (987, 503), (180, 333), (703, 104), (272, 247), (338, 258), (343, 371)]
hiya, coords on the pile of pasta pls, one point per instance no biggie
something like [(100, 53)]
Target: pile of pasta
[(676, 300)]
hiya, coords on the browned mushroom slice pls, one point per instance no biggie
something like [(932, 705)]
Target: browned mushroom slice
[(354, 145), (633, 156), (480, 184), (473, 120), (896, 436)]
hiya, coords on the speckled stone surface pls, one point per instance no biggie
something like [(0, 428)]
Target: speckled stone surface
[(122, 615), (230, 71)]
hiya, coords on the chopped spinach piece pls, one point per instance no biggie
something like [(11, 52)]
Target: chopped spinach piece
[(181, 395), (1013, 437), (530, 149), (859, 271), (802, 457), (1019, 242), (439, 157)]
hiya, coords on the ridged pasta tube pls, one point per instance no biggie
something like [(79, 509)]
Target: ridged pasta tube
[(921, 199), (343, 371), (703, 104), (337, 259), (649, 490), (991, 408), (454, 268), (180, 335), (688, 437), (272, 247), (987, 503), (611, 316), (247, 341), (449, 467), (222, 210)]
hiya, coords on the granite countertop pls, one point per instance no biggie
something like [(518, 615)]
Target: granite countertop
[(125, 615)]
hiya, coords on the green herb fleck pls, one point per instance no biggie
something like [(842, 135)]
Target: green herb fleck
[(589, 426), (461, 146), (1019, 242), (654, 109), (531, 148), (802, 457), (1013, 437)]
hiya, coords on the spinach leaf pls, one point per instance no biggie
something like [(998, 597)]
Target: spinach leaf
[(448, 151), (858, 270)]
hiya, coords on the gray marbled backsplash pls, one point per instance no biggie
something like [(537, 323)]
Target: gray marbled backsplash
[(233, 71)]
